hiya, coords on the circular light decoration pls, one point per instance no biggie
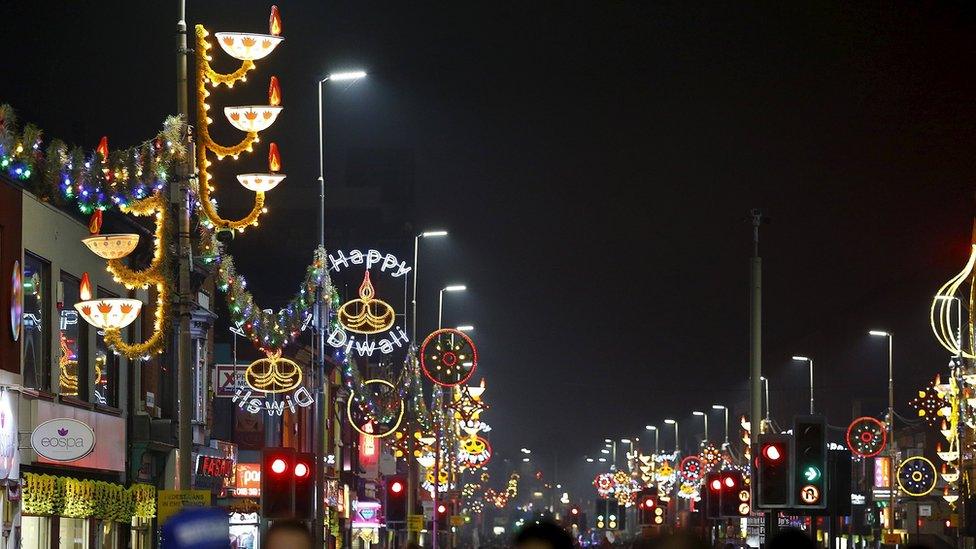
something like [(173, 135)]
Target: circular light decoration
[(273, 374), (929, 405), (866, 436), (366, 315), (382, 421), (448, 357), (112, 246), (474, 452), (690, 469), (917, 476), (710, 456), (604, 484), (16, 301)]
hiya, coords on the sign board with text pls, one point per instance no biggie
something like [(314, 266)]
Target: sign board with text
[(415, 523), (228, 378), (171, 502)]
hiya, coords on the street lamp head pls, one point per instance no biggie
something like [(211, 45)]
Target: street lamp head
[(526, 451), (670, 421), (625, 440), (607, 440), (879, 333), (697, 413), (603, 460), (604, 451), (763, 378), (525, 460), (347, 75), (717, 407), (455, 288), (802, 358), (465, 328), (589, 460), (650, 427), (428, 234)]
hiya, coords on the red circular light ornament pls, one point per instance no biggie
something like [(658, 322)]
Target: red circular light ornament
[(448, 357), (690, 469), (867, 436)]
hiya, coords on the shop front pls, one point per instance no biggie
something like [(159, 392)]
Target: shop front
[(72, 493)]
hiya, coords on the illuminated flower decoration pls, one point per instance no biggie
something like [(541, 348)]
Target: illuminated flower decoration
[(917, 476), (604, 484), (448, 357), (866, 436), (444, 476), (688, 490), (710, 456), (474, 452), (690, 470), (929, 405)]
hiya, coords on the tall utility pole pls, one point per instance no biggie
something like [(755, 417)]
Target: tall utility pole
[(755, 348), (182, 198)]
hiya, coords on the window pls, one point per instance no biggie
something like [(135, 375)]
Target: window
[(72, 341), (104, 388), (37, 324)]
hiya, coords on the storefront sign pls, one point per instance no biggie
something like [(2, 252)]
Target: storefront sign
[(171, 502), (248, 480), (367, 514), (215, 467), (63, 439), (882, 472)]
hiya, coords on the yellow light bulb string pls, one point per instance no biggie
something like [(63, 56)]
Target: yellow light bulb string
[(204, 143), (156, 273)]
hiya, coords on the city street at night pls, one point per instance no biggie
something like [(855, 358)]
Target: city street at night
[(479, 275)]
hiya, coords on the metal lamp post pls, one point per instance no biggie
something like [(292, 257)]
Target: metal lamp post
[(440, 300), (726, 410), (810, 361), (675, 423), (656, 437), (704, 417), (321, 394), (416, 273), (891, 425), (765, 381)]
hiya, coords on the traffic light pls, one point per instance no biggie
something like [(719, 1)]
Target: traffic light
[(646, 504), (810, 462), (660, 514), (304, 473), (774, 479), (736, 499), (442, 514), (713, 495), (278, 483), (396, 499), (601, 514)]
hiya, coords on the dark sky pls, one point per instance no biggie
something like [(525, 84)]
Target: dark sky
[(594, 162)]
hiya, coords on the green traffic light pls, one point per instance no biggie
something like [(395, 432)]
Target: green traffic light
[(811, 473)]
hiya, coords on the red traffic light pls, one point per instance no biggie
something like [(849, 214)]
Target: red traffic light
[(441, 509), (574, 510), (301, 470), (396, 487), (716, 485), (278, 466), (730, 482), (648, 503), (772, 452)]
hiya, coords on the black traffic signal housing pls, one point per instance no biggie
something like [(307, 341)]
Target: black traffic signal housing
[(304, 474), (278, 483), (713, 495), (396, 499), (773, 488), (601, 514), (736, 498), (442, 512), (574, 517), (646, 504), (809, 462)]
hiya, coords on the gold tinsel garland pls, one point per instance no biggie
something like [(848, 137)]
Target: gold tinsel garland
[(157, 273), (204, 75)]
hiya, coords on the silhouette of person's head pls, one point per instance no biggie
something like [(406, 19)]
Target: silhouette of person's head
[(288, 534), (540, 534)]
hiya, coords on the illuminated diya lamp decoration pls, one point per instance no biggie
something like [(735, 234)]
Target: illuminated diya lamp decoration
[(112, 313), (949, 476), (946, 431), (108, 246), (263, 182), (251, 119), (950, 496), (273, 374), (366, 314)]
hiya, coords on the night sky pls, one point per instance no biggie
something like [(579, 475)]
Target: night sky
[(594, 162)]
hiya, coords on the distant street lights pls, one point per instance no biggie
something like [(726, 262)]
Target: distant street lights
[(721, 407), (810, 360), (440, 300), (891, 422), (416, 272), (704, 417), (656, 433), (675, 423)]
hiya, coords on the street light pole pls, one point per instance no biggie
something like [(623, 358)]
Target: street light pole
[(765, 381), (319, 435), (656, 432), (810, 361), (675, 423), (440, 301), (416, 272), (891, 425), (726, 410), (704, 417)]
